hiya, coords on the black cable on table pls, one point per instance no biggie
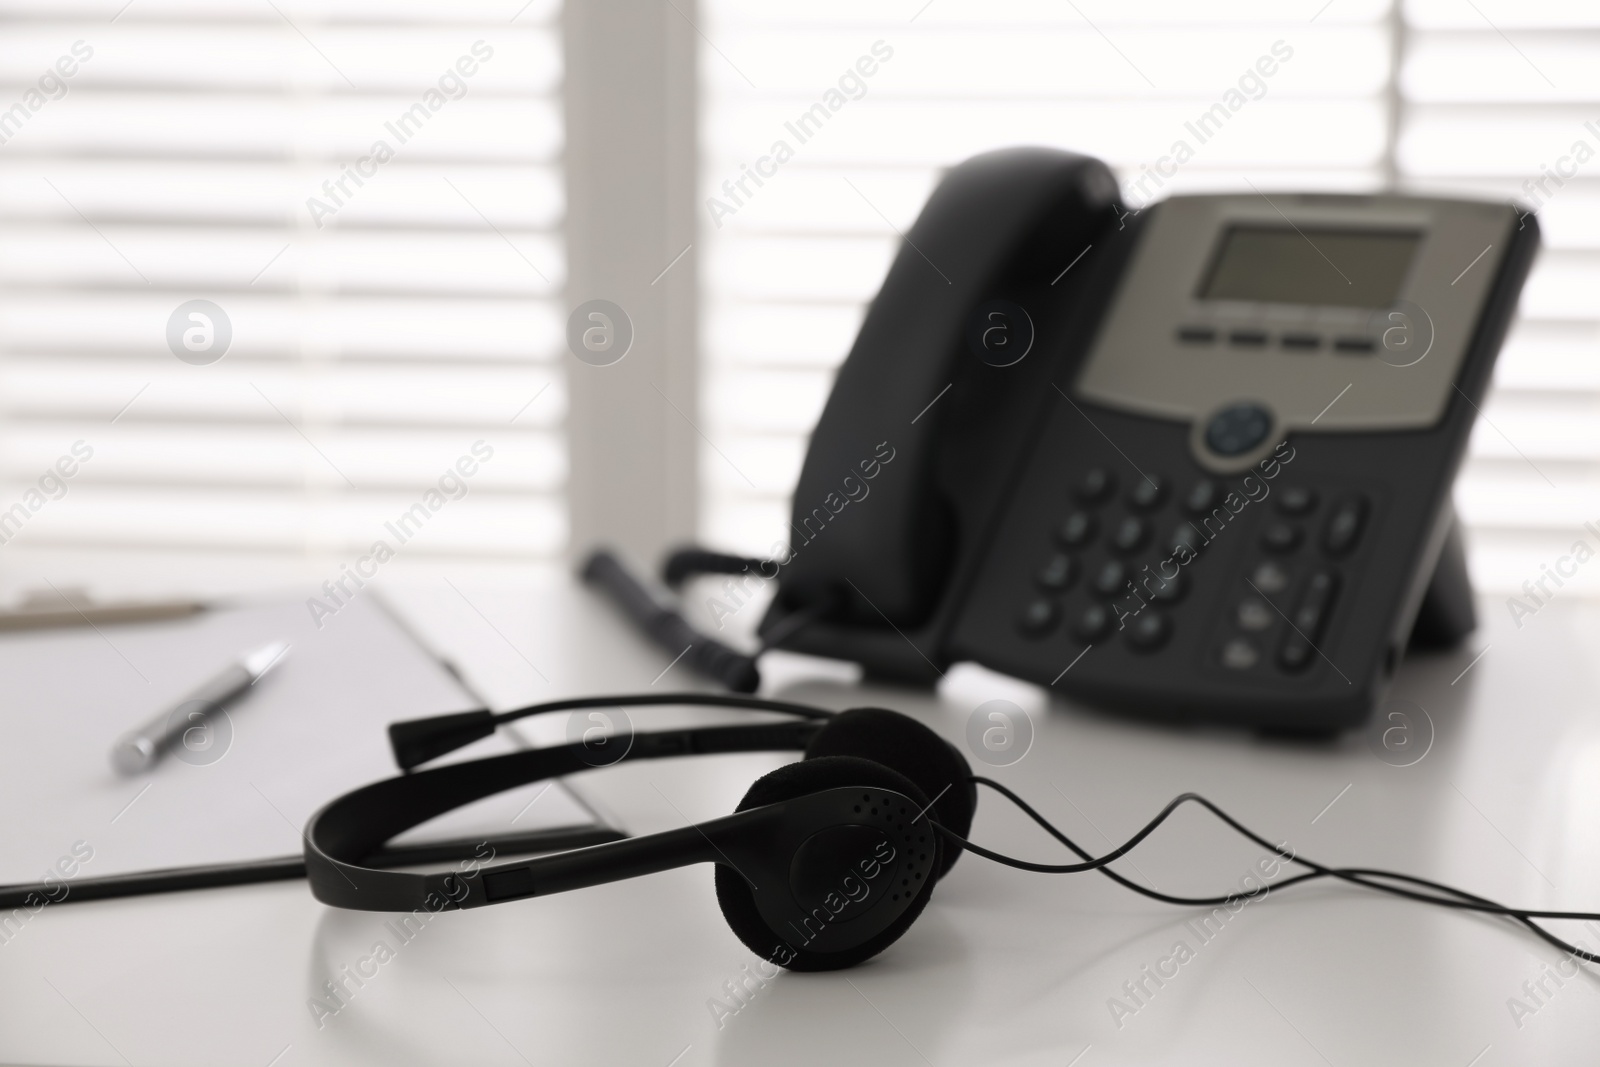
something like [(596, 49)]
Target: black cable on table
[(1362, 876)]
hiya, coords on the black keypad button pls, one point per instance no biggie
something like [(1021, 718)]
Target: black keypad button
[(1039, 617), (1296, 500), (1270, 578), (1248, 338), (1315, 602), (1077, 530), (1355, 345), (1149, 630), (1161, 589), (1343, 530), (1059, 572), (1240, 654), (1147, 493), (1196, 335), (1096, 485), (1093, 624), (1186, 536), (1130, 534), (1300, 342), (1254, 614), (1111, 579), (1280, 537), (1295, 653), (1310, 618), (1202, 497)]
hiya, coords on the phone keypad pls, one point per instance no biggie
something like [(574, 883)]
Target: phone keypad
[(1286, 598), (1271, 621), (1125, 592)]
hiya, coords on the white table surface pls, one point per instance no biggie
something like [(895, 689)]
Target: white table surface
[(1003, 967)]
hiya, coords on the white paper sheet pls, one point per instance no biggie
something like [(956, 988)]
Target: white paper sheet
[(313, 728)]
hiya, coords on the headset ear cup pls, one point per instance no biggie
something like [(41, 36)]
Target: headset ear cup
[(902, 743), (738, 903)]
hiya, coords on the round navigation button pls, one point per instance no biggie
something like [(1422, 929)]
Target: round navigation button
[(1237, 429)]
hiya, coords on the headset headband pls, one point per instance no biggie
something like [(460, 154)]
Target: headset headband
[(348, 830)]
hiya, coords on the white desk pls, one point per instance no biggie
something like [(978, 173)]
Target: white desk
[(1002, 968)]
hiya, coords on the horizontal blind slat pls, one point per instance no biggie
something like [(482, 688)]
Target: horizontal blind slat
[(387, 314)]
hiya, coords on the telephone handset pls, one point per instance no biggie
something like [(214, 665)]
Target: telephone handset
[(1193, 461)]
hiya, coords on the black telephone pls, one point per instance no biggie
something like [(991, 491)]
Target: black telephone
[(1193, 461)]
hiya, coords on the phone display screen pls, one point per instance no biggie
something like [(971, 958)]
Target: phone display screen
[(1330, 267)]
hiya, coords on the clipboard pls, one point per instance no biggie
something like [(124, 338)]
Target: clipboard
[(233, 811)]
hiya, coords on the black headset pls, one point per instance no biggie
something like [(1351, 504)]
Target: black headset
[(823, 864)]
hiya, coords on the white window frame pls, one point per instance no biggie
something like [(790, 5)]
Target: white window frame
[(631, 162)]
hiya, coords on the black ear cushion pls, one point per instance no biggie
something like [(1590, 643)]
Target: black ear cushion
[(739, 904), (903, 743)]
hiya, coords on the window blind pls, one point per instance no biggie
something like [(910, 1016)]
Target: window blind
[(1501, 102), (1428, 96), (366, 196)]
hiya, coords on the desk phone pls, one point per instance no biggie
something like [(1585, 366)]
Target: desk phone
[(1193, 461)]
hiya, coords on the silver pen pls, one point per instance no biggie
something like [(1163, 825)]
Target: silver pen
[(138, 750)]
